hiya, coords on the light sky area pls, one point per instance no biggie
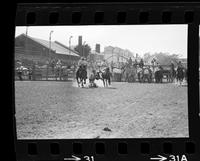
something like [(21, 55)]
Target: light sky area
[(136, 38)]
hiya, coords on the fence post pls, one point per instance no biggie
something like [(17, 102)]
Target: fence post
[(33, 72), (47, 71)]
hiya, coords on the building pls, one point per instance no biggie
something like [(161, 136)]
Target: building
[(95, 56), (117, 55), (97, 48), (29, 49)]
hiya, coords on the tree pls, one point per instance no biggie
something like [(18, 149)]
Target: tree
[(83, 50), (147, 56), (166, 58), (162, 58)]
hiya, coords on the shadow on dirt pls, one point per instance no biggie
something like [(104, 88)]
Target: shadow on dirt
[(97, 87), (109, 87)]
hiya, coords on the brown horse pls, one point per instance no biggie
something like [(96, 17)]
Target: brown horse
[(81, 76), (144, 74), (180, 74), (105, 76), (129, 73)]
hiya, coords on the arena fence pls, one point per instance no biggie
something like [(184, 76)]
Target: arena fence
[(45, 74)]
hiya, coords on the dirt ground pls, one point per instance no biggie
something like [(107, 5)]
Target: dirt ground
[(59, 110)]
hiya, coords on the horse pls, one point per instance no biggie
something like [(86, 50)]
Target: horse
[(186, 75), (92, 78), (168, 75), (61, 73), (129, 73), (81, 74), (19, 71), (180, 75), (172, 75), (58, 71), (104, 76), (145, 74), (139, 74), (158, 75)]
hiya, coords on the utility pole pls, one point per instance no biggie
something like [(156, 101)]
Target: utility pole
[(26, 50), (70, 48), (83, 49), (50, 43), (112, 55), (49, 54)]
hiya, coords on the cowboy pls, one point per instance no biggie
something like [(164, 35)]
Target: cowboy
[(18, 63), (30, 72), (104, 65), (141, 64), (82, 62), (180, 64), (59, 63), (130, 61), (19, 72)]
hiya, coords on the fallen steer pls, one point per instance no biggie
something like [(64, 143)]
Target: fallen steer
[(92, 79)]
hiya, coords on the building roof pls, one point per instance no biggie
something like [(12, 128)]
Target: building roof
[(56, 46)]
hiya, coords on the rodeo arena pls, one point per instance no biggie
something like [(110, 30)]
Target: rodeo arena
[(64, 93)]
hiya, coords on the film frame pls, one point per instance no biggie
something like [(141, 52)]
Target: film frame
[(119, 14)]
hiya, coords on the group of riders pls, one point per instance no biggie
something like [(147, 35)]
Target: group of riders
[(103, 72), (142, 72), (157, 72)]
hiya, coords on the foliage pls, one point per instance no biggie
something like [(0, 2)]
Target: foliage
[(162, 58)]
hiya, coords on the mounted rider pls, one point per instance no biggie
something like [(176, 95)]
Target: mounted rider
[(81, 72), (59, 64), (141, 64), (180, 67), (130, 62), (19, 69), (180, 64), (82, 63), (104, 65)]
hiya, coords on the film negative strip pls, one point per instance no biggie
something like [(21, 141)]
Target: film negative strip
[(113, 81)]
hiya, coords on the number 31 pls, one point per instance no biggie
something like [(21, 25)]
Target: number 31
[(89, 158)]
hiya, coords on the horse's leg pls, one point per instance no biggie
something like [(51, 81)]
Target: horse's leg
[(182, 80), (103, 82), (81, 82), (77, 81), (109, 81), (177, 80), (60, 75)]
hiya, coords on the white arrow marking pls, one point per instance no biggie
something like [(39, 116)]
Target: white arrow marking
[(161, 158), (73, 158)]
